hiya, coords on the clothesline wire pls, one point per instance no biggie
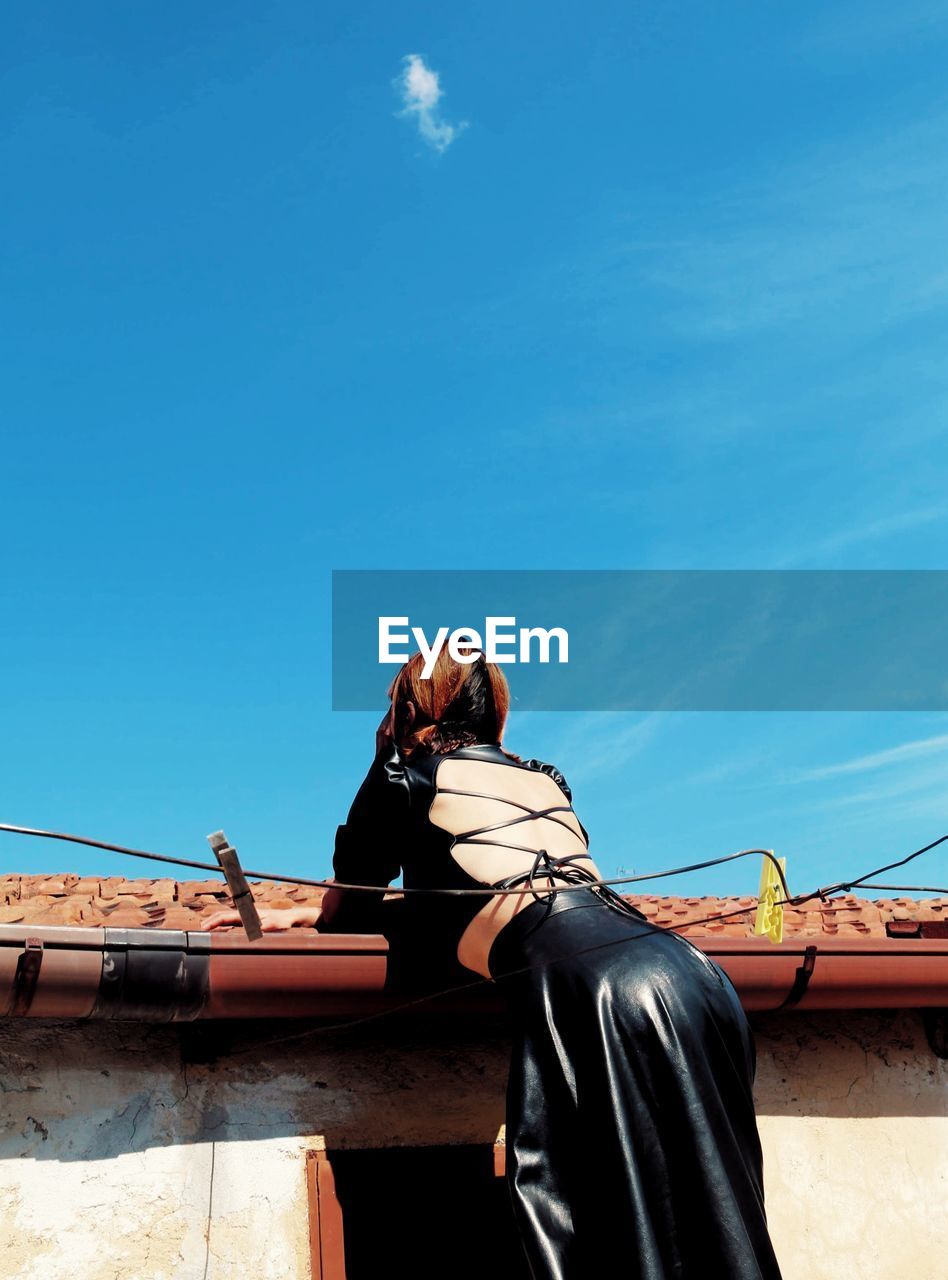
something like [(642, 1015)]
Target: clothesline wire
[(905, 888), (789, 900), (488, 891)]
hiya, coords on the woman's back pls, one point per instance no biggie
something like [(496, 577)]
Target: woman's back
[(500, 815), (470, 818)]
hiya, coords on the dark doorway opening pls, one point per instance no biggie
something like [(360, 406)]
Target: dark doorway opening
[(427, 1212)]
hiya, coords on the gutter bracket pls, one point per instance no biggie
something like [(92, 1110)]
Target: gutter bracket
[(801, 979)]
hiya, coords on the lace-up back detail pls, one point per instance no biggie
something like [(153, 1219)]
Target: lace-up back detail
[(530, 832), (472, 818)]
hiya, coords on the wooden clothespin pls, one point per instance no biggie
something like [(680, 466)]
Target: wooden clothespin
[(240, 891)]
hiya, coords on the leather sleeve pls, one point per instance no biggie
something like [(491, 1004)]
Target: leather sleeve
[(369, 843)]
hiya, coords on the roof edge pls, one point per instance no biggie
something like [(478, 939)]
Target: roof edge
[(152, 975)]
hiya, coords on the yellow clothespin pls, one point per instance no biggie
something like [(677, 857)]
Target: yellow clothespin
[(769, 914)]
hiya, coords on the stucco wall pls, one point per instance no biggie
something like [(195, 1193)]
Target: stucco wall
[(169, 1153), (853, 1112)]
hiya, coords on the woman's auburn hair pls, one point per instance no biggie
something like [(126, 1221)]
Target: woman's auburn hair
[(459, 704)]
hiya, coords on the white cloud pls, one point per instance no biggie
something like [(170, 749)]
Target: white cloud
[(878, 760), (421, 91), (598, 742), (867, 532)]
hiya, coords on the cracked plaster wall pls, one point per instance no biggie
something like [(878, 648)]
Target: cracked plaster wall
[(132, 1152)]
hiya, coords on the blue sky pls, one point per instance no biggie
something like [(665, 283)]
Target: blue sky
[(645, 286)]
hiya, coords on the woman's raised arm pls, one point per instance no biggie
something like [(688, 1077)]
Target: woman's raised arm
[(369, 844)]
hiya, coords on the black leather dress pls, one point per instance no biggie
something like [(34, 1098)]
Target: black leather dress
[(632, 1142)]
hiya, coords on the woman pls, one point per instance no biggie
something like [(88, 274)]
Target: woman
[(632, 1143)]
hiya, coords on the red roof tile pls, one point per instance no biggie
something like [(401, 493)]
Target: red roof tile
[(170, 904)]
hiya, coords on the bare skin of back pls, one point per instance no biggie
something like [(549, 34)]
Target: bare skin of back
[(558, 834)]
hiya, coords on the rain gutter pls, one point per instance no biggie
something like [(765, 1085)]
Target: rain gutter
[(162, 975)]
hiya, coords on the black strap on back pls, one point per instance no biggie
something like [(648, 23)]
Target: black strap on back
[(543, 864), (528, 815)]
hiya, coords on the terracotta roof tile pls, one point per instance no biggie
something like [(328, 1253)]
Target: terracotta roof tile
[(170, 904), (125, 917)]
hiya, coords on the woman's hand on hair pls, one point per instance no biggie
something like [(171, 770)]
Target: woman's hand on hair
[(385, 733)]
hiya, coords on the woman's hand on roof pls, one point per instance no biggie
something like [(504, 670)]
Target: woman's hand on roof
[(272, 919)]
